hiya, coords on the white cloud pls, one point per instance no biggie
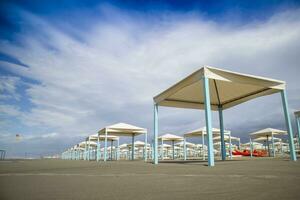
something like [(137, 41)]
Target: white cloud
[(8, 85), (113, 72)]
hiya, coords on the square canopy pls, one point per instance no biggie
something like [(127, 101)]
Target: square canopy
[(267, 132), (170, 137), (95, 137), (122, 129), (227, 89), (202, 131)]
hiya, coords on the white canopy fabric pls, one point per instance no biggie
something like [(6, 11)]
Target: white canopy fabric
[(92, 144), (188, 144), (265, 139), (226, 138), (94, 137), (267, 132), (170, 137), (200, 131), (227, 89), (138, 144), (122, 129)]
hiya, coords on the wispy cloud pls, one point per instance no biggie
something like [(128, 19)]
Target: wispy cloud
[(112, 72)]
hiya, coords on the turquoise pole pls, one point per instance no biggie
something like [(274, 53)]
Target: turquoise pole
[(298, 128), (162, 149), (223, 149), (98, 148), (132, 148), (85, 150), (111, 149), (273, 149), (118, 149), (184, 148), (288, 125), (203, 142), (89, 150), (155, 133), (145, 147), (251, 148), (173, 149), (230, 146), (105, 146), (210, 146)]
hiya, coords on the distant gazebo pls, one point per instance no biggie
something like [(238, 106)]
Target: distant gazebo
[(215, 89)]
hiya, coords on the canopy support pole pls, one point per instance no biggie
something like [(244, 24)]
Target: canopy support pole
[(145, 147), (288, 125), (111, 149), (268, 145), (173, 150), (230, 146), (273, 146), (298, 128), (132, 148), (85, 151), (162, 149), (203, 152), (118, 149), (208, 120), (251, 148), (105, 146), (98, 149), (155, 134), (89, 150), (184, 148), (223, 149)]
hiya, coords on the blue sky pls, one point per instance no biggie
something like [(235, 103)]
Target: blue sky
[(68, 68)]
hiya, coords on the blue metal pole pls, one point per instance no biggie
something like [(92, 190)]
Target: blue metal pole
[(173, 149), (85, 151), (288, 125), (118, 149), (162, 149), (251, 148), (105, 146), (273, 149), (145, 147), (203, 142), (230, 146), (223, 149), (98, 148), (184, 148), (298, 128), (210, 146), (155, 134), (132, 148), (89, 150)]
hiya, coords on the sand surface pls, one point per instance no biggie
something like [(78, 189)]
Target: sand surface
[(259, 178)]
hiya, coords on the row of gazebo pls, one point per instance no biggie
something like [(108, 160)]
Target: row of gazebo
[(180, 148), (210, 89)]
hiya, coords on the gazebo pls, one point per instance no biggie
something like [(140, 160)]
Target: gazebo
[(122, 129), (173, 139), (98, 138), (267, 134), (202, 132), (215, 89)]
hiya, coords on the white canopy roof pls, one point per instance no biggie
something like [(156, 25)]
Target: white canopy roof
[(227, 88), (265, 139), (188, 144), (253, 143), (122, 129), (138, 144), (226, 138), (82, 144), (94, 137), (200, 131), (170, 137), (267, 132)]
